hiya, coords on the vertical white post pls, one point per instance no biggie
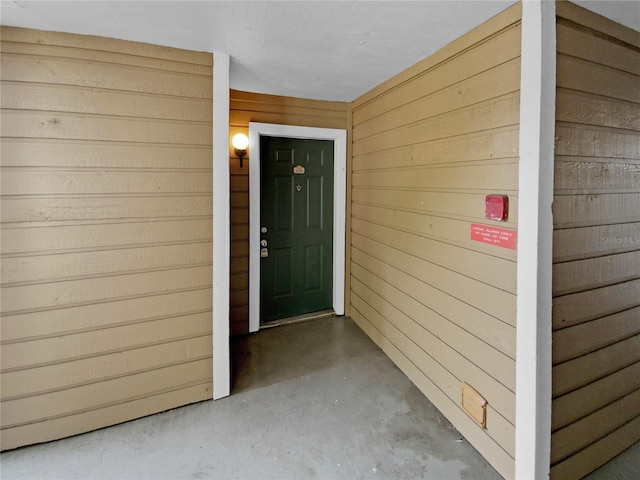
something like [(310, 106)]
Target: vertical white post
[(535, 240), (221, 227)]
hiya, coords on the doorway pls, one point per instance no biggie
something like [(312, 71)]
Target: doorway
[(296, 227), (278, 260)]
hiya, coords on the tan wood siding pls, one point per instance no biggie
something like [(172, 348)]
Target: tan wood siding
[(596, 250), (427, 146), (254, 107), (106, 232)]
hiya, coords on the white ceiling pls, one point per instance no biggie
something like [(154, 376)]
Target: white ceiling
[(330, 50)]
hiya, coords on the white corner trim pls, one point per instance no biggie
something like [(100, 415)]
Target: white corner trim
[(221, 227), (339, 138), (535, 240)]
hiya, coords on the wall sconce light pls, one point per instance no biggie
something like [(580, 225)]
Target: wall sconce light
[(240, 143)]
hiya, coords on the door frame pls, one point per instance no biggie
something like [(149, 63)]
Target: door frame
[(339, 138)]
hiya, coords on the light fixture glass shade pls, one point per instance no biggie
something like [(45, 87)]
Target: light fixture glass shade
[(240, 141)]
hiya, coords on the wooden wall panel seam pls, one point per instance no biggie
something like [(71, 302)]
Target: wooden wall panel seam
[(602, 27), (590, 143), (465, 120), (588, 337), (424, 233), (501, 143), (51, 97), (204, 332), (494, 162), (595, 348), (572, 159), (462, 311), (577, 74), (95, 43), (580, 403), (102, 300), (97, 328), (108, 404), (578, 372), (481, 296), (562, 125), (572, 438), (625, 232), (112, 274), (592, 304), (107, 169), (433, 347), (38, 75), (289, 110), (89, 317), (578, 107), (124, 195), (626, 262), (279, 102), (449, 333), (583, 60), (75, 53), (100, 248), (574, 39), (43, 52), (99, 221), (450, 98), (417, 247), (105, 378), (600, 408), (88, 116)]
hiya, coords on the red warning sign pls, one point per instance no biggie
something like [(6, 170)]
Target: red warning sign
[(498, 236)]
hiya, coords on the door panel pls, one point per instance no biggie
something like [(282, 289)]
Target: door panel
[(283, 203), (313, 268), (314, 210), (282, 272), (297, 212)]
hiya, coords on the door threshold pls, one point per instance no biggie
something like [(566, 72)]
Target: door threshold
[(298, 318)]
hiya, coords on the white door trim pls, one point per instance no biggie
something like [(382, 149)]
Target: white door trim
[(339, 138)]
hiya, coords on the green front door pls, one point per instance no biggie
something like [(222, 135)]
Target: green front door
[(296, 227)]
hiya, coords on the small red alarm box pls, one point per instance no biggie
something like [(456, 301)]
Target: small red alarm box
[(496, 207)]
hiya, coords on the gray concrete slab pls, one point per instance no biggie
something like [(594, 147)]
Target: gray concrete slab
[(311, 400)]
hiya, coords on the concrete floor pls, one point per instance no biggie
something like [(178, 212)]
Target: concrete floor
[(311, 400)]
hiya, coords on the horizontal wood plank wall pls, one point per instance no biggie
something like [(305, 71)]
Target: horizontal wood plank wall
[(106, 232), (255, 107), (428, 145), (596, 271)]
